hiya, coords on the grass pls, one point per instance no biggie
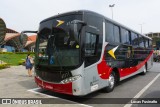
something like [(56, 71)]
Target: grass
[(13, 59)]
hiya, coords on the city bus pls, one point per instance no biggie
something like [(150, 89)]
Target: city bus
[(80, 52)]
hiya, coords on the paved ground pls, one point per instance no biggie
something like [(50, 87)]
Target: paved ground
[(15, 84)]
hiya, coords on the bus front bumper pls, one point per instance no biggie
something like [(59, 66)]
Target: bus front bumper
[(60, 88)]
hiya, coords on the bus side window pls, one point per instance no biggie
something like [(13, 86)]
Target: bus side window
[(141, 41), (134, 39), (90, 44), (116, 34), (146, 43), (112, 33), (125, 36), (109, 32), (150, 43)]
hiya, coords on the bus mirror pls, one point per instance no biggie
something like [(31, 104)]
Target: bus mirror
[(76, 27), (74, 30), (83, 23), (23, 37), (79, 22)]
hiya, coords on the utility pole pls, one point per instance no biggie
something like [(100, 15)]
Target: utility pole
[(111, 6), (141, 27)]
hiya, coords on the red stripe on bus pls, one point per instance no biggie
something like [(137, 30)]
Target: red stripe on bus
[(104, 70), (127, 71), (60, 88)]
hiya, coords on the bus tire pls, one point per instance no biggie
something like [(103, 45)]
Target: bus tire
[(144, 69), (111, 82)]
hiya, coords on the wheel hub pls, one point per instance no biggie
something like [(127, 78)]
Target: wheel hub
[(111, 80), (144, 70)]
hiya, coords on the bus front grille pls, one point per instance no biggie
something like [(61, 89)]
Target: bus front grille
[(53, 76)]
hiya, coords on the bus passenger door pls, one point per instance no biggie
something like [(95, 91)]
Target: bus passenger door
[(91, 57), (92, 49)]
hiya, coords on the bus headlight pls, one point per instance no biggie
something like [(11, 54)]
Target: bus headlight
[(70, 79)]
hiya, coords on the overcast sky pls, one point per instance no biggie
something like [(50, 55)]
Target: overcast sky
[(26, 14)]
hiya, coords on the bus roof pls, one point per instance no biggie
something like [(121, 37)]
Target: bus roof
[(96, 14), (64, 14)]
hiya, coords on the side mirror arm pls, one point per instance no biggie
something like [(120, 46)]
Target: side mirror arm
[(28, 32), (23, 36)]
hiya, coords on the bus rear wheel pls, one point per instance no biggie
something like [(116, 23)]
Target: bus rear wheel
[(111, 82)]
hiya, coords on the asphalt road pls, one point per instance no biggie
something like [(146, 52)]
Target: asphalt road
[(139, 86)]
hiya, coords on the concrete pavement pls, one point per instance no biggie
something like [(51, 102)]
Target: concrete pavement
[(15, 83)]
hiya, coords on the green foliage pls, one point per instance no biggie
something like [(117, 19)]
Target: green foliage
[(17, 53), (21, 62), (14, 58), (6, 52), (24, 52), (2, 66)]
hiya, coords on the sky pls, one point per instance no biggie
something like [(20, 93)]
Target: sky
[(26, 14)]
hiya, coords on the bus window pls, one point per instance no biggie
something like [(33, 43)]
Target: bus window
[(116, 34), (150, 43), (146, 43), (112, 33), (125, 36), (141, 41), (134, 39), (90, 44), (109, 32)]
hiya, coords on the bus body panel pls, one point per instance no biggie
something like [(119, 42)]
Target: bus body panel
[(150, 62), (78, 86), (93, 81), (60, 88), (132, 74)]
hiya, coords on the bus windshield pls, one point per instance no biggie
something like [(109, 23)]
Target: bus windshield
[(58, 46)]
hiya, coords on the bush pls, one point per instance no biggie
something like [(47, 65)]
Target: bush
[(21, 63), (17, 53), (2, 66), (25, 53), (6, 52)]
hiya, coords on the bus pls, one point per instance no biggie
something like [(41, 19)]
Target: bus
[(80, 52)]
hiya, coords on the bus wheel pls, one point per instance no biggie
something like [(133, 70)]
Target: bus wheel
[(111, 82), (144, 70)]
